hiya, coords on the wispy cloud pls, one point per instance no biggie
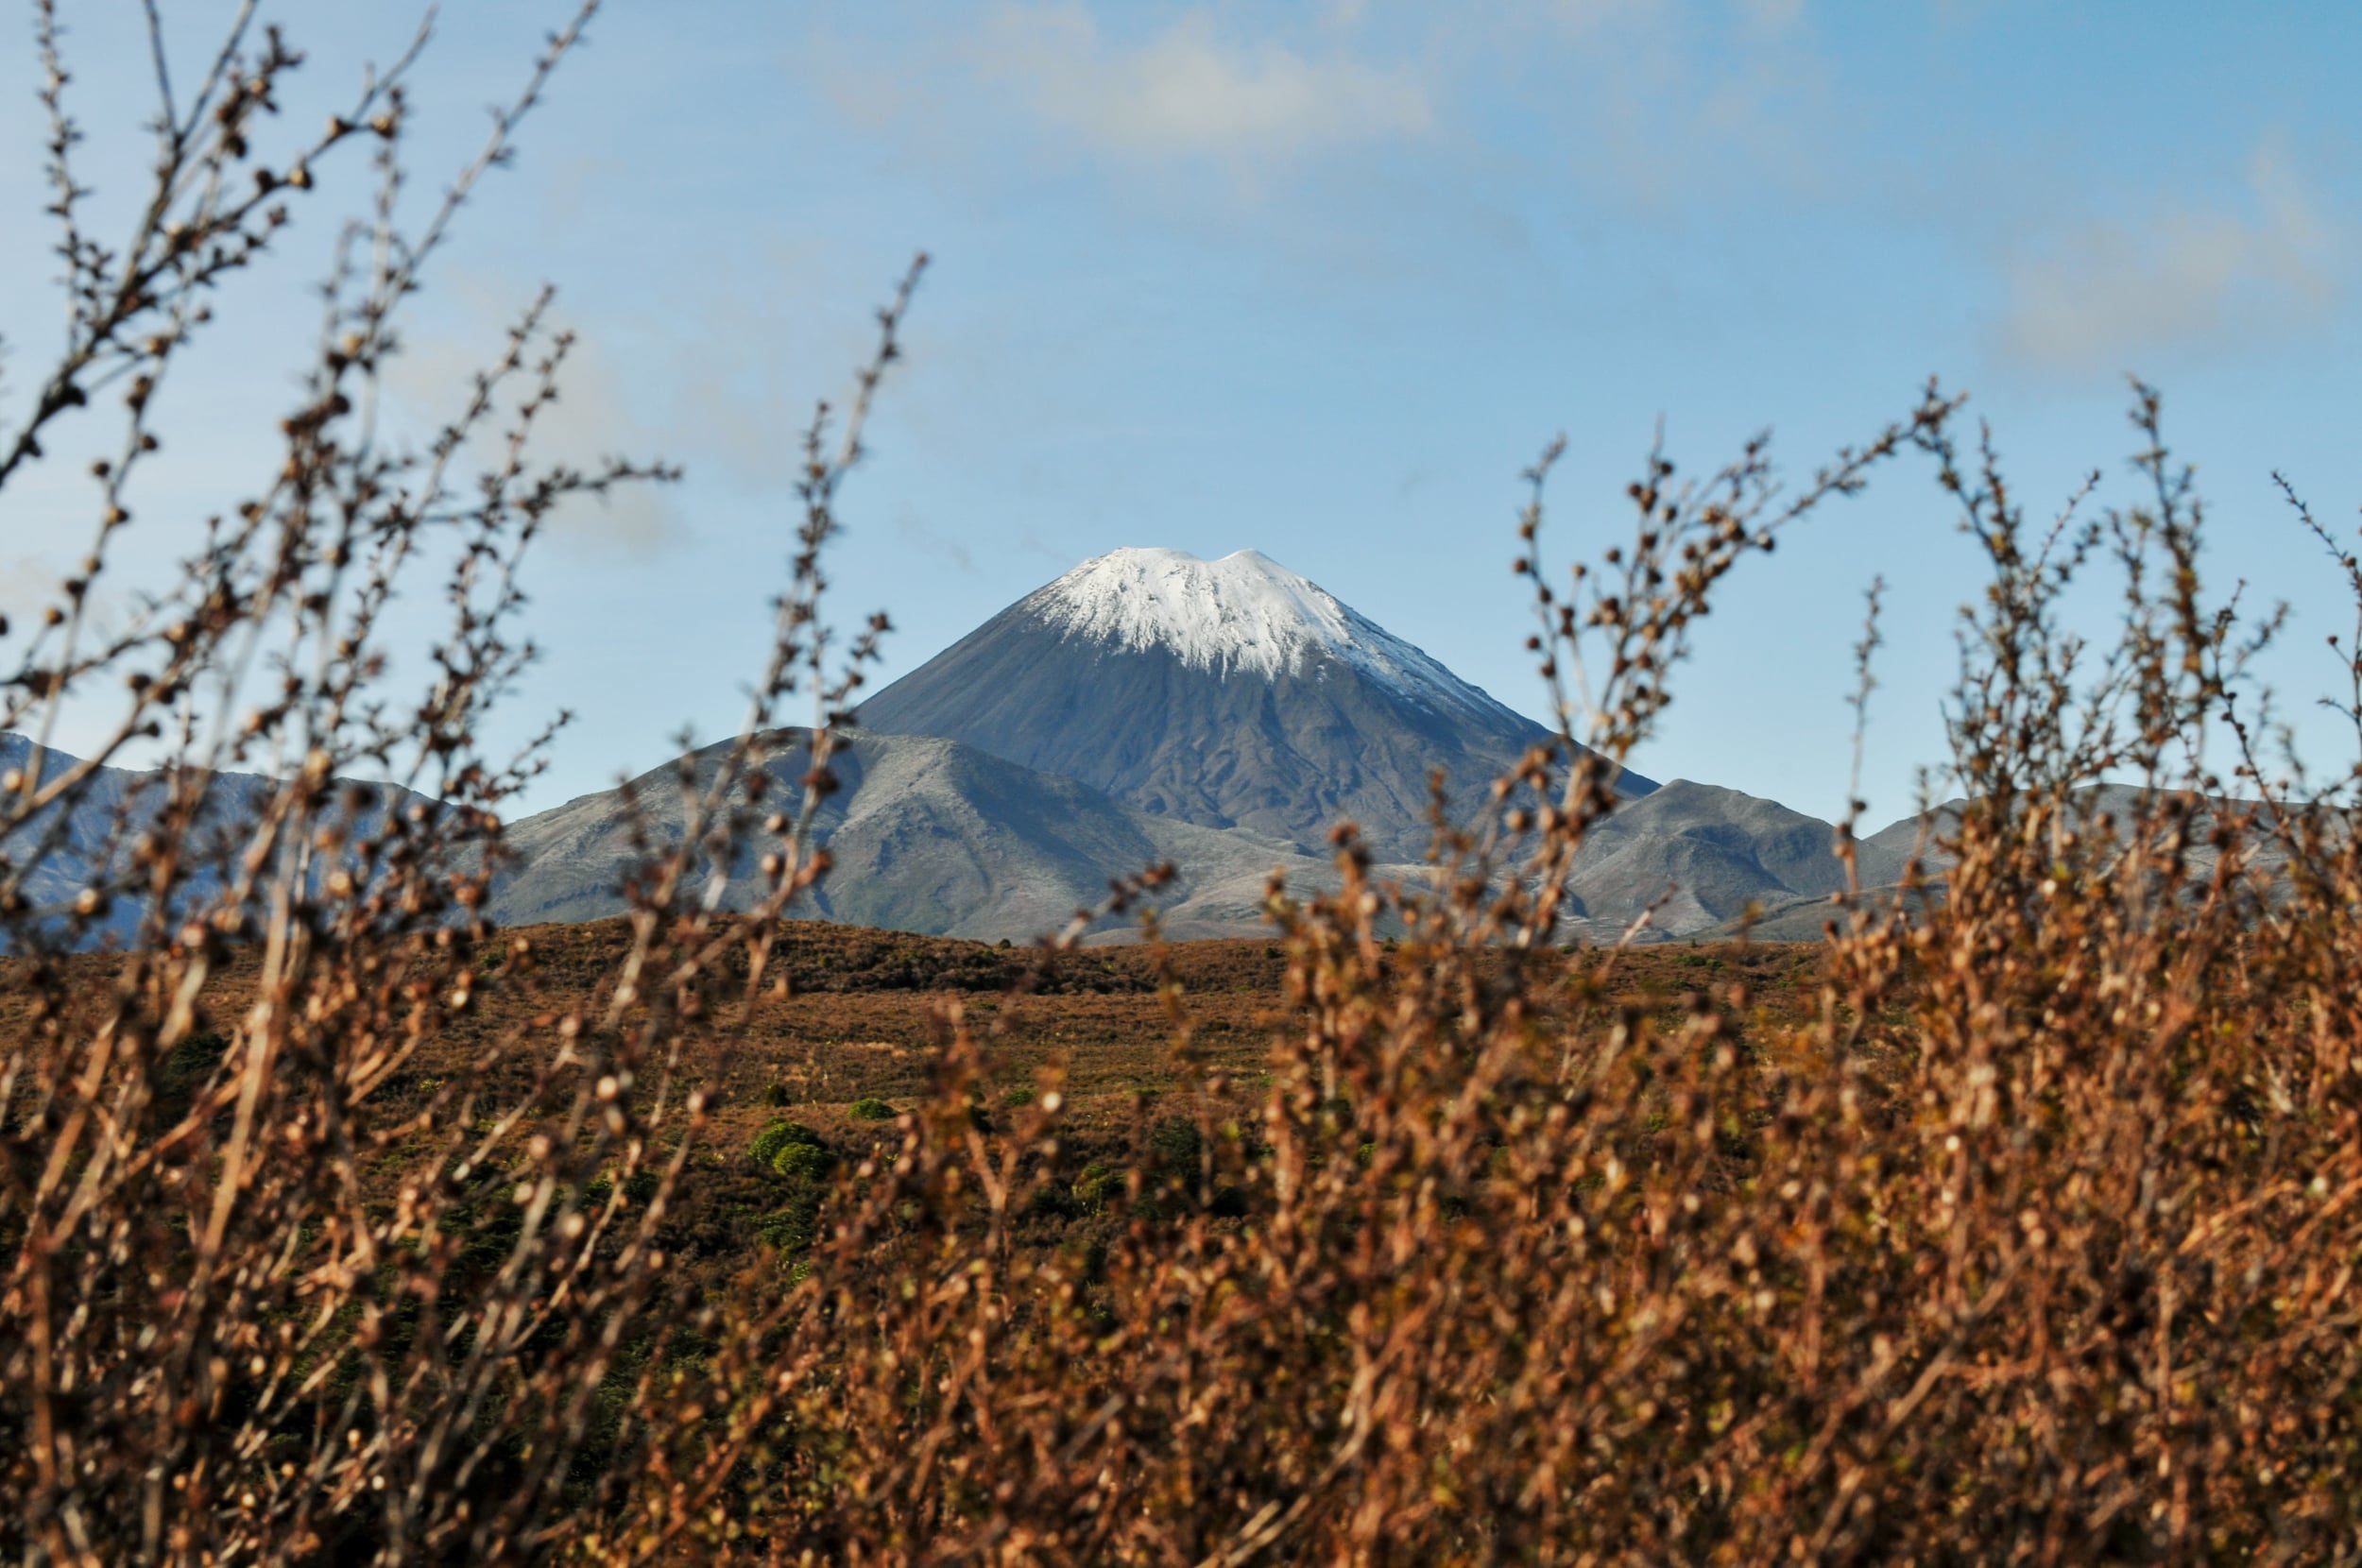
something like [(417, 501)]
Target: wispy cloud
[(1582, 17), (1189, 90), (926, 540), (2109, 292), (28, 585), (1642, 104), (593, 419), (1667, 101), (1772, 16)]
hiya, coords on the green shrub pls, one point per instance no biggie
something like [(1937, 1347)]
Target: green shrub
[(1174, 1143), (639, 1188), (870, 1108), (802, 1162), (765, 1151), (775, 1094), (796, 1153), (1096, 1184), (794, 1228)]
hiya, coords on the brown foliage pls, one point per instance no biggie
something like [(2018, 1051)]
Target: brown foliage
[(340, 1228)]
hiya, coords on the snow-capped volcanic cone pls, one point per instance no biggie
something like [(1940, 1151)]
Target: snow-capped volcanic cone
[(1229, 692)]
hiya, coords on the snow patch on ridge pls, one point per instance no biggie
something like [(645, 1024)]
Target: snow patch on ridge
[(1244, 613)]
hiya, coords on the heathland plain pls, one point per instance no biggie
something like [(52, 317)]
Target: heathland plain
[(1147, 708)]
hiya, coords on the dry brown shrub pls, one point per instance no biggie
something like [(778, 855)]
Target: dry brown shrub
[(2037, 1242)]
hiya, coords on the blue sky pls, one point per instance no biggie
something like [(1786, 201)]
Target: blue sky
[(1320, 279)]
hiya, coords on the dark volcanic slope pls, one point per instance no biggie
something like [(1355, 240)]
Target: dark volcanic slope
[(926, 835), (1231, 693)]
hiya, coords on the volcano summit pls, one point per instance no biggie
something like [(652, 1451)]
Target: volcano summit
[(1230, 694)]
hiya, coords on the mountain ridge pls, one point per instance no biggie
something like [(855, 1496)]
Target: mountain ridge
[(926, 835), (1144, 708), (1230, 694), (935, 837)]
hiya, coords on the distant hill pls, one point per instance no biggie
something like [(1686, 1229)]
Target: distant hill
[(1709, 854), (1147, 706), (66, 845), (933, 836), (1230, 694), (926, 835)]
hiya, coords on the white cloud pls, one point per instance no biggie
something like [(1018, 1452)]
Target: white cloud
[(1772, 16), (1188, 91), (1644, 103), (592, 421), (924, 539), (2109, 292), (1580, 17), (1664, 104)]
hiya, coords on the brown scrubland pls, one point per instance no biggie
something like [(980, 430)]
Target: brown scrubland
[(2014, 1224)]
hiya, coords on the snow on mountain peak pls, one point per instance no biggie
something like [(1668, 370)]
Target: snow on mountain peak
[(1242, 614)]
